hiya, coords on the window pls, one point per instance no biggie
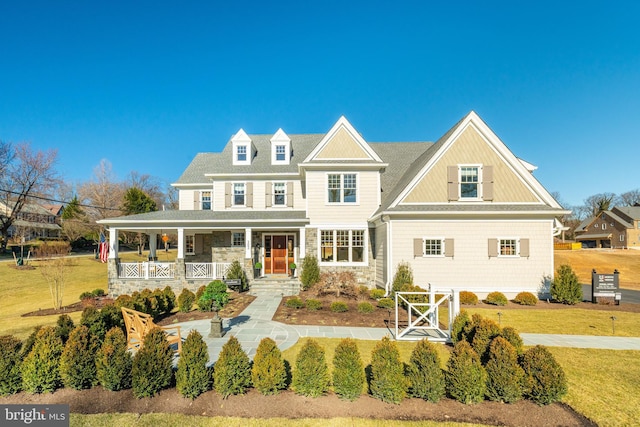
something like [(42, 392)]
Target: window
[(205, 200), (241, 153), (344, 246), (237, 239), (342, 188), (279, 189), (622, 237), (508, 247), (281, 153), (189, 244), (604, 226), (238, 194), (433, 247), (469, 182)]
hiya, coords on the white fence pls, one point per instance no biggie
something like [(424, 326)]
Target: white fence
[(167, 270), (206, 270), (423, 316)]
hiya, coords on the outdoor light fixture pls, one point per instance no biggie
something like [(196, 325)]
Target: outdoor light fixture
[(499, 318), (613, 324)]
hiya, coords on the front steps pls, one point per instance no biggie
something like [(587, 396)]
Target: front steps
[(275, 284)]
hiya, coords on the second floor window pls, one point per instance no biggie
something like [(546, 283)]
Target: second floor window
[(469, 182), (281, 153), (279, 189), (205, 198), (238, 194), (241, 153), (342, 188)]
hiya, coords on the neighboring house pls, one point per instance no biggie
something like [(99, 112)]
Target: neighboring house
[(463, 211), (33, 222), (617, 228)]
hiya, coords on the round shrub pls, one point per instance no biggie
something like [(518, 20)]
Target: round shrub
[(215, 296), (565, 287), (339, 307), (86, 295), (310, 375), (112, 317), (186, 300), (348, 370), (92, 319), (268, 373), (313, 304), (426, 379), (365, 307), (193, 377), (485, 331), (310, 272), (152, 368), (510, 334), (403, 276), (64, 326), (387, 303), (294, 302), (41, 367), (77, 363), (376, 293), (496, 298), (98, 293), (545, 381), (465, 379), (468, 298), (526, 298), (114, 362), (170, 298), (459, 326), (232, 371), (124, 301), (10, 365), (363, 292), (505, 378), (388, 382)]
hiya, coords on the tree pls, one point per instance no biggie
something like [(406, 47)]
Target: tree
[(630, 198), (103, 193), (25, 173), (137, 201), (566, 287), (75, 222), (54, 267), (599, 202)]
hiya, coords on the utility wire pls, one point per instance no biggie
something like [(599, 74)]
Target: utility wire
[(60, 201)]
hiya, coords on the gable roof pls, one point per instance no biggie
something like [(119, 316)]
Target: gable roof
[(632, 212)]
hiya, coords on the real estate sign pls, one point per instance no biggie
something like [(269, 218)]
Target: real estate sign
[(605, 286)]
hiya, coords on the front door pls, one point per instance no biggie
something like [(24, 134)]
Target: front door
[(279, 254)]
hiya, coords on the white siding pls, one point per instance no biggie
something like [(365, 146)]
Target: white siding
[(259, 194), (185, 200), (380, 250)]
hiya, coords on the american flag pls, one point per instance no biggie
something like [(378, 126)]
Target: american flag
[(103, 248)]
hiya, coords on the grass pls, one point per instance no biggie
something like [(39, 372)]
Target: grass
[(627, 262)]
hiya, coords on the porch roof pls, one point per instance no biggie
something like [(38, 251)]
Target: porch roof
[(593, 236)]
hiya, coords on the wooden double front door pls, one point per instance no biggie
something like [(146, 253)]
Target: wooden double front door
[(278, 254)]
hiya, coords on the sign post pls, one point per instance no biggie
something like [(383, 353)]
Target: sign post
[(606, 286)]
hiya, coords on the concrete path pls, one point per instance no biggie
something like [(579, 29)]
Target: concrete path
[(255, 323)]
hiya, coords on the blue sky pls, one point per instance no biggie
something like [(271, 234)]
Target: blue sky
[(147, 85)]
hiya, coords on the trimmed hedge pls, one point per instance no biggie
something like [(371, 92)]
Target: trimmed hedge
[(310, 272), (526, 298), (232, 371), (294, 302), (466, 378), (485, 331), (10, 365), (214, 297), (459, 326), (77, 363), (41, 367), (510, 334), (468, 298), (186, 299), (313, 304), (152, 368), (311, 374), (376, 293), (192, 377), (269, 373), (545, 381), (348, 370), (386, 303), (388, 382), (339, 307), (114, 361), (365, 307), (497, 298), (426, 379), (64, 326), (505, 378)]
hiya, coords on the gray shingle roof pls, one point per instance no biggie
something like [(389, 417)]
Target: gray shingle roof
[(632, 212)]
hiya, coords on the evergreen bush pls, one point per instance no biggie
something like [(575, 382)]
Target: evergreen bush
[(526, 298), (77, 363), (339, 307), (468, 298), (459, 325), (376, 293), (497, 298), (510, 334), (192, 377), (235, 271), (161, 303), (112, 317), (545, 381), (310, 272), (348, 370), (232, 371), (483, 333), (199, 294), (170, 299), (27, 345), (10, 365), (363, 292), (152, 368), (313, 304), (311, 374), (403, 276), (387, 303), (215, 296), (505, 378), (268, 373), (93, 320), (565, 287), (388, 382), (41, 367), (294, 302), (425, 376), (64, 326), (124, 301), (186, 300), (114, 362), (465, 379), (365, 307)]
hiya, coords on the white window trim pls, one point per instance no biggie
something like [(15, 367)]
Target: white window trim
[(193, 246), (517, 254), (365, 247), (341, 202), (233, 243), (442, 248), (233, 195), (479, 196), (273, 195), (604, 226), (210, 200)]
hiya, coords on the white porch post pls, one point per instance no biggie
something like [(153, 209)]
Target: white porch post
[(247, 243), (180, 243), (301, 243), (113, 243), (153, 243)]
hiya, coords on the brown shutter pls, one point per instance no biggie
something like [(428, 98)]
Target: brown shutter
[(487, 183), (289, 191), (227, 238), (524, 248), (197, 244), (418, 250), (248, 201), (196, 199), (493, 247), (268, 196), (452, 183), (227, 194), (448, 247)]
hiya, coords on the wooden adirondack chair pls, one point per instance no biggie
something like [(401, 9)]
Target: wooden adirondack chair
[(139, 324)]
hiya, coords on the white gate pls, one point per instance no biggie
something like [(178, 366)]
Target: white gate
[(423, 314)]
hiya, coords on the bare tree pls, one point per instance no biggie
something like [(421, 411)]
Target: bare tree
[(599, 203), (172, 198), (150, 185), (104, 193), (54, 267), (27, 173), (629, 198)]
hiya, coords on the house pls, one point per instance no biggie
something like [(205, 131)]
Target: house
[(32, 222), (464, 211), (617, 228)]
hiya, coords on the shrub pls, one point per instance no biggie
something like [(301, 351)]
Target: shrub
[(388, 382), (10, 365), (483, 333), (235, 271), (170, 298), (113, 361), (215, 296), (77, 363), (310, 272), (510, 334), (497, 298), (294, 302), (365, 307), (565, 287), (64, 326), (376, 293), (28, 344), (40, 369), (425, 377), (313, 304), (152, 368), (348, 370), (505, 378), (112, 317), (232, 371), (339, 307), (338, 284), (193, 377), (199, 293), (124, 301), (458, 327), (403, 276), (363, 292), (465, 379), (268, 372), (545, 381), (86, 295), (468, 298), (526, 298), (186, 300), (93, 320), (386, 303), (311, 374)]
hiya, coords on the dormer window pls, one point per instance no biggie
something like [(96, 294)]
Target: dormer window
[(241, 153), (280, 148), (242, 148), (281, 153)]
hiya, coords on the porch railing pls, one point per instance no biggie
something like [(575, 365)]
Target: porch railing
[(146, 270), (206, 270)]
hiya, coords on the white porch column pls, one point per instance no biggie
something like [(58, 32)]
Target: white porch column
[(247, 243), (153, 244), (180, 243), (113, 243), (302, 243)]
